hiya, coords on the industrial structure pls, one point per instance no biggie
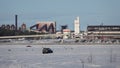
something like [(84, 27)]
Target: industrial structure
[(44, 27), (16, 23), (66, 33), (77, 26), (104, 31), (63, 27), (7, 27), (23, 27), (93, 32)]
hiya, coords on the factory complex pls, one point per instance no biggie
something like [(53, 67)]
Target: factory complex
[(93, 32)]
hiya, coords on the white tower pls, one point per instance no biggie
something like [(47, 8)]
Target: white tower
[(77, 26)]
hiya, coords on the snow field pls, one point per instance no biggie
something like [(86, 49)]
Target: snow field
[(63, 56)]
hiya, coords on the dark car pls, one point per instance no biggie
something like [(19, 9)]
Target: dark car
[(47, 50)]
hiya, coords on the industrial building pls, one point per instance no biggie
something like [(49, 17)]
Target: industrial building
[(23, 27), (8, 27), (44, 27), (104, 31)]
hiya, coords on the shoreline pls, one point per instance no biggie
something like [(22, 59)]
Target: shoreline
[(58, 43)]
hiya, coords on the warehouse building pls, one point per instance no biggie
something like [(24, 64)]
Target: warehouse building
[(104, 31)]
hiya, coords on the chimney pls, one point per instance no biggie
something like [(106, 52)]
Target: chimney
[(16, 22)]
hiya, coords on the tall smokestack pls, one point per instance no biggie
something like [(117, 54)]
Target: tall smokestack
[(16, 22)]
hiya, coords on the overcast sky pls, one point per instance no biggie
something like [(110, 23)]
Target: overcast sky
[(91, 12)]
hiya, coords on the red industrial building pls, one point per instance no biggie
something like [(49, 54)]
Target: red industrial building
[(44, 27)]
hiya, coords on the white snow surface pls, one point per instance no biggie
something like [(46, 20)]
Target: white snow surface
[(63, 56)]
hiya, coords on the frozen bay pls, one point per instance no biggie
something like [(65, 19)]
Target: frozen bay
[(63, 56)]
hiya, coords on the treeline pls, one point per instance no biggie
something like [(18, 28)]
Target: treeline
[(6, 32)]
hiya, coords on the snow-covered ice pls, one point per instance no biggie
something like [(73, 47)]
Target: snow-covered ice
[(63, 56)]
